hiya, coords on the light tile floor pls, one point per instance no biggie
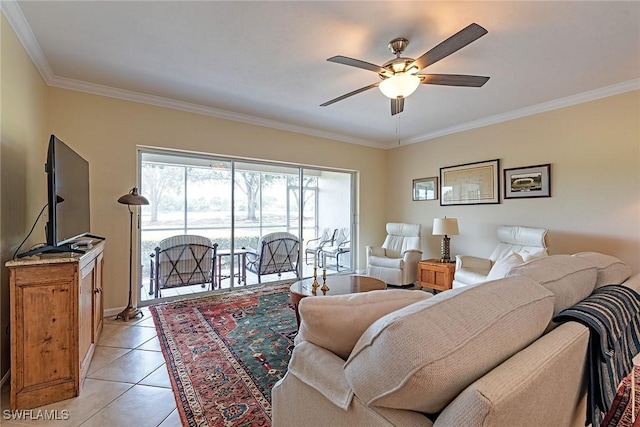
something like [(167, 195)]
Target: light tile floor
[(127, 384)]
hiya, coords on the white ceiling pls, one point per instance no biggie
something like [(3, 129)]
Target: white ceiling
[(265, 62)]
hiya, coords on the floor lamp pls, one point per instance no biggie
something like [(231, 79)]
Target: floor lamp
[(132, 198)]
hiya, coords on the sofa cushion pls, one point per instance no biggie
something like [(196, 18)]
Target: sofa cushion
[(611, 270), (569, 278), (336, 322), (503, 266), (422, 356)]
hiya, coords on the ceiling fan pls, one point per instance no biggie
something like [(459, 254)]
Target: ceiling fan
[(400, 78)]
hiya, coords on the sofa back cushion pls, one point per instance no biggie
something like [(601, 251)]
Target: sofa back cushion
[(570, 279), (420, 357), (336, 322), (611, 270)]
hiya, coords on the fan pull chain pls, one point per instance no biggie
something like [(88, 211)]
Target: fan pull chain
[(398, 127)]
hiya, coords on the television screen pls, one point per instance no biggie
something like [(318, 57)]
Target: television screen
[(68, 194)]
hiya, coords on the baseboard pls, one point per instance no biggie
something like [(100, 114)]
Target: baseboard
[(112, 311)]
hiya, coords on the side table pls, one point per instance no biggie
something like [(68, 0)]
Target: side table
[(435, 275)]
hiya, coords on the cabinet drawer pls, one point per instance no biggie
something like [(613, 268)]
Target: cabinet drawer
[(38, 274)]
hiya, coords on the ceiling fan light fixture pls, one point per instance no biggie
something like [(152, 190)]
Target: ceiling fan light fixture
[(399, 85)]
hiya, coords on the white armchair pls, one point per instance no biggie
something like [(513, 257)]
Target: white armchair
[(527, 242), (396, 261)]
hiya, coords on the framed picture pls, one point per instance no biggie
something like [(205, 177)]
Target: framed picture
[(470, 184), (528, 181), (425, 188)]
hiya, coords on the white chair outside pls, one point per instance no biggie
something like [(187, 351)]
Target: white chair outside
[(339, 249), (314, 246)]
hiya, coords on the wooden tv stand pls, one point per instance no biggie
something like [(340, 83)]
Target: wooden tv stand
[(56, 304)]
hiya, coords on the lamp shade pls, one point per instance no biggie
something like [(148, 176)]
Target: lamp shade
[(400, 85), (445, 226), (133, 198)]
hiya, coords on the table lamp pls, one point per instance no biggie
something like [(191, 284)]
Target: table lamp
[(445, 227)]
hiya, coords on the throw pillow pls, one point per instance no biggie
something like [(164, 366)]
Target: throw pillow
[(337, 322), (503, 266)]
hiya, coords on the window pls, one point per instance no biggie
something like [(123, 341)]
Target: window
[(234, 204)]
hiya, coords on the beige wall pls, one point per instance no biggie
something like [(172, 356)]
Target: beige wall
[(22, 157), (594, 151), (106, 132)]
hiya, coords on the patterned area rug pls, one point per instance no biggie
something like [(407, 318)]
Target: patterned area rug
[(619, 414), (225, 352)]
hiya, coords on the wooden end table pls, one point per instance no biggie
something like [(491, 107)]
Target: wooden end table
[(435, 275), (338, 285)]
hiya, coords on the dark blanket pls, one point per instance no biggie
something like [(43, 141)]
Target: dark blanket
[(612, 314)]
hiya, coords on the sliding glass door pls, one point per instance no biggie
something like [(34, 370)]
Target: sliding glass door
[(241, 206)]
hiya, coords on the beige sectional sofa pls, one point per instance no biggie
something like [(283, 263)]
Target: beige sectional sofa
[(483, 355)]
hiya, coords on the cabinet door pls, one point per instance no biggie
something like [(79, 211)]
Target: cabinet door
[(85, 316), (42, 335), (98, 298)]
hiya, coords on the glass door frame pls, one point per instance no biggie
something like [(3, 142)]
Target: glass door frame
[(141, 150)]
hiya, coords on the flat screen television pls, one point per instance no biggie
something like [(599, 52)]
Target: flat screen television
[(67, 194), (67, 197)]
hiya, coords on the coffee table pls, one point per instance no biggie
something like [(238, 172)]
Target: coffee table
[(338, 285)]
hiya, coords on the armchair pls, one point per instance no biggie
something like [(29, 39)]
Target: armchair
[(396, 261), (527, 242), (182, 260), (277, 253), (341, 245), (314, 246)]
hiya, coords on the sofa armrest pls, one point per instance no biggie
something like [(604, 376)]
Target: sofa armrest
[(375, 251), (473, 262), (547, 374), (323, 371), (412, 255), (411, 258), (633, 282)]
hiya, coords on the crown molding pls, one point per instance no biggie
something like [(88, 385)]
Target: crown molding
[(159, 101), (568, 101)]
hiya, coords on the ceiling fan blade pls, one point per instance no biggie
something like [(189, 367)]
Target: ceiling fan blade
[(450, 45), (359, 64), (346, 95), (397, 106), (453, 80)]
